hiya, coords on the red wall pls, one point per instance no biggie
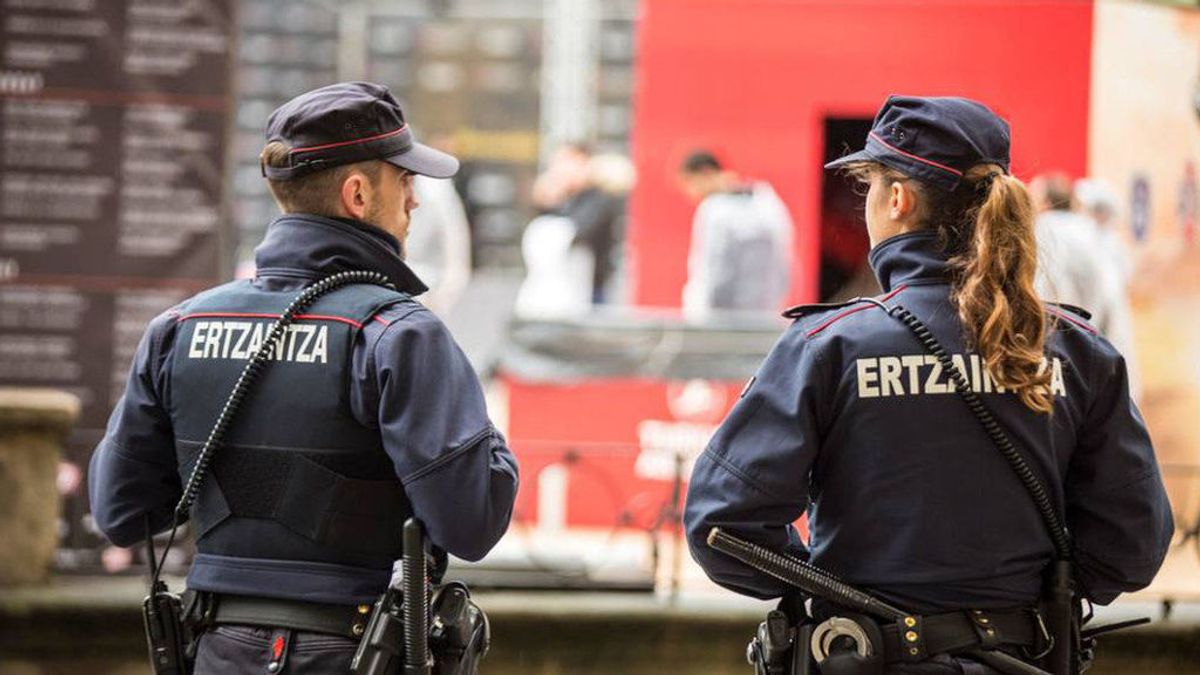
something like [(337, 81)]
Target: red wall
[(596, 423), (754, 80)]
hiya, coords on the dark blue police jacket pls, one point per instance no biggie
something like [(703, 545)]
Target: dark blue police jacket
[(850, 419), (367, 413)]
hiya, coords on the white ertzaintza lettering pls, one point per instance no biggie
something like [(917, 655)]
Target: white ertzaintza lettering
[(240, 340), (922, 375)]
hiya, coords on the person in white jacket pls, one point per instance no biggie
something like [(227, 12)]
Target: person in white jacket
[(740, 257), (439, 243), (1074, 267)]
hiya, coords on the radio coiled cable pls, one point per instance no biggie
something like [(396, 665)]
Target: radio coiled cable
[(1058, 533)]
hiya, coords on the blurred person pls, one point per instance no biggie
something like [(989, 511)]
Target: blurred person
[(597, 212), (741, 249), (589, 191), (1098, 200), (855, 421), (559, 275), (1075, 268), (569, 249), (439, 239), (566, 174), (367, 415)]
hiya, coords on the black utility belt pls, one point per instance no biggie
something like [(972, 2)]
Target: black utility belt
[(917, 638), (212, 609)]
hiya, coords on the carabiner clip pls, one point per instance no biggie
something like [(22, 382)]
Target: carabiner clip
[(1046, 636)]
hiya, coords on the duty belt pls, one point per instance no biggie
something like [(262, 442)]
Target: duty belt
[(925, 636), (345, 620)]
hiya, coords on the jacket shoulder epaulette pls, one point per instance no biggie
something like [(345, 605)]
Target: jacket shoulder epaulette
[(1072, 314), (800, 311), (1074, 309)]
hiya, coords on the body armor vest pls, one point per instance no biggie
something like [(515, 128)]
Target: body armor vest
[(298, 478)]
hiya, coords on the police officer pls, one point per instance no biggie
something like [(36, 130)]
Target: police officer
[(367, 414), (852, 421)]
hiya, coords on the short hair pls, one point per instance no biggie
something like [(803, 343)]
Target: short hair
[(1059, 193), (316, 193), (578, 145), (700, 161)]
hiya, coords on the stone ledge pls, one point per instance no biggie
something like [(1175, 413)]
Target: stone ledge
[(44, 408), (581, 633)]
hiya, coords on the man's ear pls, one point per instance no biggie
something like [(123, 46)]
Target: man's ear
[(355, 195)]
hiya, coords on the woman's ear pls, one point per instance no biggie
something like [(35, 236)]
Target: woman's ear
[(901, 201)]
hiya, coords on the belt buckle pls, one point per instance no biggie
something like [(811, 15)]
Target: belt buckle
[(1047, 638)]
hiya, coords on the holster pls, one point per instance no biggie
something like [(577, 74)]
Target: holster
[(1060, 611), (168, 638), (783, 645), (459, 634)]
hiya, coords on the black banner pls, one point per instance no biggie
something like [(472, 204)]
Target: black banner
[(113, 117)]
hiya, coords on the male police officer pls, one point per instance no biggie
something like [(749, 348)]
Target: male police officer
[(368, 413)]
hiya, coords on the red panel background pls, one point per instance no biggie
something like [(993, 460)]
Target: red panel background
[(596, 422), (755, 79)]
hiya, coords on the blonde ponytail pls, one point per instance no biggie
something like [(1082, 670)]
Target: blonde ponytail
[(1001, 312)]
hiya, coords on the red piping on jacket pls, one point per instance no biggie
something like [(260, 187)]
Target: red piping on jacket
[(1082, 324), (250, 315), (848, 312)]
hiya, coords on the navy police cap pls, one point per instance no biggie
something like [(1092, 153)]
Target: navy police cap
[(935, 140), (346, 123)]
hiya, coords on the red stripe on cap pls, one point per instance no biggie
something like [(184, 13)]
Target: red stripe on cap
[(848, 312), (355, 141), (898, 151)]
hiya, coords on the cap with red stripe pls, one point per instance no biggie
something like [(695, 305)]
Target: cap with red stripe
[(934, 139), (346, 123)]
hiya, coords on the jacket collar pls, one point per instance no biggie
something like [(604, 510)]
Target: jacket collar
[(308, 246), (909, 258)]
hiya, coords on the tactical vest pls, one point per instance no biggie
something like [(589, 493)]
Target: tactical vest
[(298, 478)]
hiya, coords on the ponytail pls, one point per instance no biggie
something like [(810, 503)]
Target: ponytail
[(986, 229), (1001, 312)]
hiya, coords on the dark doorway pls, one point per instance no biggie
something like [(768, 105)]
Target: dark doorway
[(844, 241)]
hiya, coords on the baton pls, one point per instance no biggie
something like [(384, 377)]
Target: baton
[(822, 584), (802, 575), (417, 660)]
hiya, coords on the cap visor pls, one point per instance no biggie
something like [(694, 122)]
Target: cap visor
[(426, 161), (860, 156)]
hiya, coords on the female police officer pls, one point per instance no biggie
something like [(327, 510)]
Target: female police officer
[(851, 419)]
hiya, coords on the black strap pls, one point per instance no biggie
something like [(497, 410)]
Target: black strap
[(994, 430), (954, 632), (345, 620)]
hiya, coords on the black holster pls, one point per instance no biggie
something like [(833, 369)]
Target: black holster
[(1060, 611), (459, 635), (446, 636), (168, 636), (783, 646)]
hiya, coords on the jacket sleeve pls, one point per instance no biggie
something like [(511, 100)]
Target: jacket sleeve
[(752, 479), (457, 470), (1117, 508), (133, 470)]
